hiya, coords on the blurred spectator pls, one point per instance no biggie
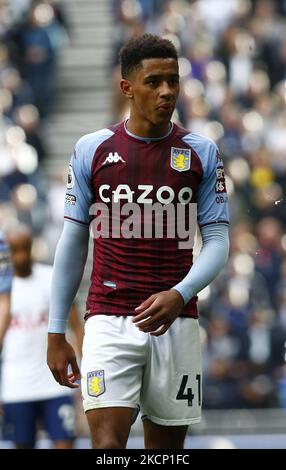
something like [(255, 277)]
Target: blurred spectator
[(35, 43), (20, 92), (268, 258), (225, 365), (26, 93), (27, 117)]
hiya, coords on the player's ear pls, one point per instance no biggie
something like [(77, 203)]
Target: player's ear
[(126, 88)]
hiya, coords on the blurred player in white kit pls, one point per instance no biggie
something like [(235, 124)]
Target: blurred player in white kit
[(29, 394)]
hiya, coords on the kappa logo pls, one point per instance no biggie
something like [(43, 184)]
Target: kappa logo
[(180, 159), (113, 158)]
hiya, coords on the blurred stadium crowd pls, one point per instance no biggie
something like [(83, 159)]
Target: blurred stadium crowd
[(31, 35), (233, 89)]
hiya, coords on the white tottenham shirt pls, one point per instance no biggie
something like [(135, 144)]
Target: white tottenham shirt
[(25, 374)]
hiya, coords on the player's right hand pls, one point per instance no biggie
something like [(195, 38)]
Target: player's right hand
[(60, 355), (158, 312)]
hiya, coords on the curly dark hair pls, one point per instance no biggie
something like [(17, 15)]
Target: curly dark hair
[(143, 47)]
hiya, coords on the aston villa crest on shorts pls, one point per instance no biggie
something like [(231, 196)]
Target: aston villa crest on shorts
[(180, 159), (95, 383)]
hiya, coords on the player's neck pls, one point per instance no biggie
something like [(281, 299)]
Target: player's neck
[(147, 129)]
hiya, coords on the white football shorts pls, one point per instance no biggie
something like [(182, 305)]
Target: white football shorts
[(124, 367)]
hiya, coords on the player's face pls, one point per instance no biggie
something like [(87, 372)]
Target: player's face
[(21, 254), (154, 89)]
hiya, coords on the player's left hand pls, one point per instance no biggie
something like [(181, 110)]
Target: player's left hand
[(158, 312)]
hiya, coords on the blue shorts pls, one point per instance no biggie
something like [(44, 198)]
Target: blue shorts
[(56, 416)]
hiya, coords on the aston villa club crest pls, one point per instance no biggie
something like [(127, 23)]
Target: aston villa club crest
[(180, 159), (95, 383)]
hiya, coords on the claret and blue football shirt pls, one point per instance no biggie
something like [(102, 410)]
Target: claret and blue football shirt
[(113, 174)]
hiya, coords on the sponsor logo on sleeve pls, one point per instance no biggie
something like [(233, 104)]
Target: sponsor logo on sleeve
[(70, 199), (95, 383), (71, 178), (180, 159), (220, 186), (221, 199)]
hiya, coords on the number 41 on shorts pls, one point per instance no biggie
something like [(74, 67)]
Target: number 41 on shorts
[(186, 393)]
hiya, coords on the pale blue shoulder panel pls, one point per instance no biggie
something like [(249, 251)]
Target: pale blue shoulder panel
[(79, 194), (212, 197), (6, 270)]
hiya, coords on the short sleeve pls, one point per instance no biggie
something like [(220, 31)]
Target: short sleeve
[(212, 199), (79, 192), (212, 194)]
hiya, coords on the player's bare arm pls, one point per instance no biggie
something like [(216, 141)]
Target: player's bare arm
[(158, 312), (5, 316), (59, 355), (76, 327), (6, 275), (70, 258)]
